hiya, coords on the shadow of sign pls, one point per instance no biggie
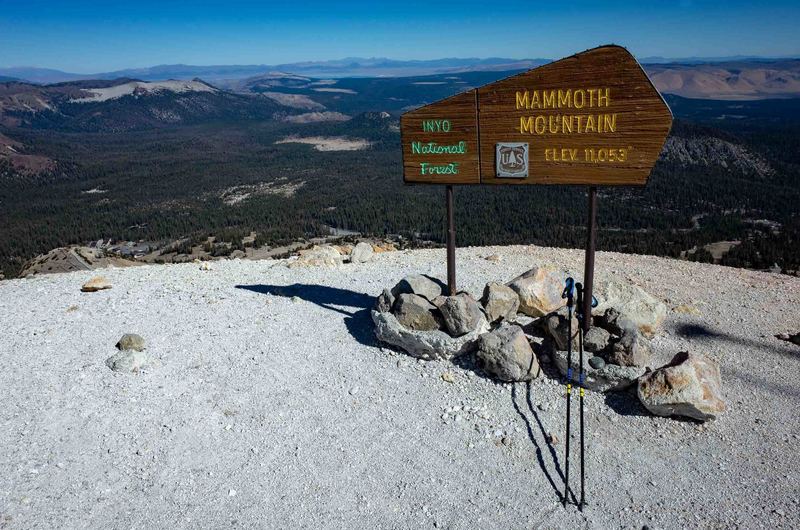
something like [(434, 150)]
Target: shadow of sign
[(357, 320), (702, 331)]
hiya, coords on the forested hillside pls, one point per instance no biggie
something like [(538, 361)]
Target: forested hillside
[(730, 172)]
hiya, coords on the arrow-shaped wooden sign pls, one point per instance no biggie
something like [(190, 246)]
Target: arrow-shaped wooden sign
[(594, 118)]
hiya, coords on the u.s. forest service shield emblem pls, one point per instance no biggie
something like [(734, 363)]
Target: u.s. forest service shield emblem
[(512, 160)]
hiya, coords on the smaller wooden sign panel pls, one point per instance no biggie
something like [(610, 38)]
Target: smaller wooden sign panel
[(440, 142)]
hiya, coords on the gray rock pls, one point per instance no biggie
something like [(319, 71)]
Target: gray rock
[(439, 301), (596, 339), (419, 284), (131, 341), (597, 362), (631, 349), (609, 378), (461, 314), (612, 321), (690, 386), (539, 291), (645, 311), (557, 326), (434, 344), (127, 361), (362, 253), (500, 302), (415, 312), (506, 354), (385, 301)]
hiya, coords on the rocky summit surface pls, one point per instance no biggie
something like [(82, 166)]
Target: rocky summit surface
[(266, 401)]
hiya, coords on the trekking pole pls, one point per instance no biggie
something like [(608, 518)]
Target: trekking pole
[(581, 316), (569, 288)]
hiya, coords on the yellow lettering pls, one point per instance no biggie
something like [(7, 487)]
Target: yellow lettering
[(526, 125), (603, 100), (523, 101), (610, 122), (589, 123), (535, 101), (553, 124), (549, 99), (564, 98), (579, 99), (566, 123), (539, 121)]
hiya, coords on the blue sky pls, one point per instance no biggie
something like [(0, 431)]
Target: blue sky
[(90, 37)]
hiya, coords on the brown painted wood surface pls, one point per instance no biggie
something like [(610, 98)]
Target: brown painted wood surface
[(642, 123), (461, 111)]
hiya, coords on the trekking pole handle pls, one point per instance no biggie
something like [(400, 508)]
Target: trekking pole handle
[(569, 289)]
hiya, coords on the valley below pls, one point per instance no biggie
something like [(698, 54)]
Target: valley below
[(276, 160)]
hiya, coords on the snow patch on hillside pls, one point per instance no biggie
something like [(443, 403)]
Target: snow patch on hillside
[(336, 90), (142, 88), (329, 143)]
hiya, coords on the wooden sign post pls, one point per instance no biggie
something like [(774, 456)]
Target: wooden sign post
[(593, 119)]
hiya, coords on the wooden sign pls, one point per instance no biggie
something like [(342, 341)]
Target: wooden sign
[(594, 118)]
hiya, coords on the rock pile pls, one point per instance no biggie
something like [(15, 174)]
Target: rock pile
[(333, 255), (616, 352), (130, 357), (416, 316)]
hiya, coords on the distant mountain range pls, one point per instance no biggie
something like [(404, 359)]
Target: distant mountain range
[(347, 67), (728, 78)]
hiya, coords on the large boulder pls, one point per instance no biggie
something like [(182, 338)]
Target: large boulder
[(596, 339), (361, 253), (415, 312), (317, 256), (631, 349), (461, 314), (506, 354), (606, 378), (419, 284), (435, 344), (612, 321), (557, 326), (690, 385), (98, 283), (385, 301), (539, 291), (500, 302), (642, 309)]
